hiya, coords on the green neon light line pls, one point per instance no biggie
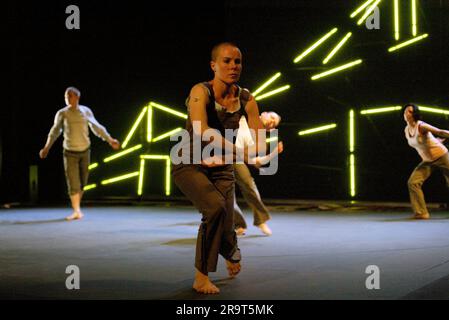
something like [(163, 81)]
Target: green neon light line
[(414, 20), (396, 20), (167, 177), (90, 186), (266, 84), (169, 110), (273, 92), (154, 157), (317, 129), (315, 45), (408, 42), (141, 176), (337, 47), (337, 69), (271, 139), (352, 175), (351, 131), (120, 178), (167, 134), (149, 124), (359, 9), (368, 12), (167, 168), (92, 166), (134, 127), (122, 153), (433, 110), (380, 110)]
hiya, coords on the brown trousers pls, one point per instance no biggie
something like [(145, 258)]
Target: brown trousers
[(211, 191)]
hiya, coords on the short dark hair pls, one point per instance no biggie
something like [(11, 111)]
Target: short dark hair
[(217, 47), (416, 112)]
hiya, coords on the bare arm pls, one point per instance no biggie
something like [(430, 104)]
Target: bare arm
[(198, 100), (425, 127)]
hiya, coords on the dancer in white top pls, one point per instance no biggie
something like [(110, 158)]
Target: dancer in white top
[(434, 154)]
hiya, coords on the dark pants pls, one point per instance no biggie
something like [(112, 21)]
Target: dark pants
[(249, 190), (211, 191), (76, 168)]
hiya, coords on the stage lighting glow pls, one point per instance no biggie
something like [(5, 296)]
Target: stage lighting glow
[(272, 139), (167, 134), (368, 12), (337, 47), (352, 186), (120, 178), (167, 169), (380, 110), (149, 123), (90, 186), (266, 84), (315, 45), (414, 20), (318, 129), (141, 173), (93, 166), (337, 69), (359, 9), (408, 42), (134, 127), (122, 153), (169, 110), (273, 92), (396, 19)]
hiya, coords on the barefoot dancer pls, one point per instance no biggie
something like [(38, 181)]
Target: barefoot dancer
[(420, 136), (217, 104), (74, 120)]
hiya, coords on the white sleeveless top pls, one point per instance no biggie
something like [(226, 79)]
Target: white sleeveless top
[(428, 147)]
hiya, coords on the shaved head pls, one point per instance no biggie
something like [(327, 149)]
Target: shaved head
[(216, 49)]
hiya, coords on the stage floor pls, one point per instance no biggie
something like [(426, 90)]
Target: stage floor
[(147, 252)]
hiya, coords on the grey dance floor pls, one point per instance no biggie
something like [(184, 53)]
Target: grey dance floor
[(147, 252)]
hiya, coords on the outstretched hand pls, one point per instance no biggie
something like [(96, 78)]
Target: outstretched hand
[(115, 144)]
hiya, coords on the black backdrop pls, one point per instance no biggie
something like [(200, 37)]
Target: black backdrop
[(128, 53)]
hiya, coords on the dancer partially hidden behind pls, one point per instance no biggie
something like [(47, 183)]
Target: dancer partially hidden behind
[(217, 104), (246, 182), (74, 120), (434, 154)]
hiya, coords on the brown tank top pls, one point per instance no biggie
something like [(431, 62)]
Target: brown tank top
[(217, 116)]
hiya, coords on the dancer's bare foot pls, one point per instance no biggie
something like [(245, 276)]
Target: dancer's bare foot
[(233, 268), (240, 231), (265, 229), (202, 284), (75, 215)]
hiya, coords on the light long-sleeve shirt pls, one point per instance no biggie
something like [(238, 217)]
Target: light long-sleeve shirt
[(75, 123)]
